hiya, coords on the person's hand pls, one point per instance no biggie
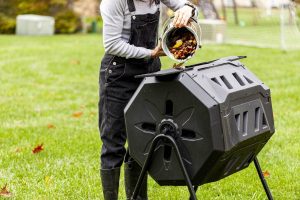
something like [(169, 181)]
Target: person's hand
[(182, 16), (158, 51)]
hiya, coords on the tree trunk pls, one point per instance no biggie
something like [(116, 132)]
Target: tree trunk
[(224, 10), (236, 18), (208, 9)]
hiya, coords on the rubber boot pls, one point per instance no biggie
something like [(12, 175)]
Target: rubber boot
[(132, 172), (110, 183)]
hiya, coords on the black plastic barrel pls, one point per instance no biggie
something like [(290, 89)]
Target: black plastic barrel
[(220, 112)]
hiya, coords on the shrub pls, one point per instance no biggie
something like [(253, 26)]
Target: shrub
[(92, 24), (7, 25), (67, 22)]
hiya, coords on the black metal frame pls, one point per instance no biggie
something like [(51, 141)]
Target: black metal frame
[(192, 189)]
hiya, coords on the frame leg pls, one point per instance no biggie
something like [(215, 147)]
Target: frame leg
[(148, 163), (262, 179), (195, 189), (183, 169), (145, 168)]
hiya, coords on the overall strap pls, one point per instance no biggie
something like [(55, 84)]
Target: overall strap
[(131, 6)]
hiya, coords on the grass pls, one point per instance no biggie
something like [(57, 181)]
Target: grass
[(44, 80), (260, 30)]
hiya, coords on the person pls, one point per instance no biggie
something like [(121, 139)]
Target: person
[(130, 37)]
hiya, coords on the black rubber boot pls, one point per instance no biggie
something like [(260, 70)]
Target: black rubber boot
[(110, 183), (132, 172)]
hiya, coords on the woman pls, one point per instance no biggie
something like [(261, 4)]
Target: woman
[(130, 37)]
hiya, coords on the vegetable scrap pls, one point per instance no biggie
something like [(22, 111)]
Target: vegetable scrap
[(182, 43)]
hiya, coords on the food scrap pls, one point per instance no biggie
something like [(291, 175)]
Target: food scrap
[(182, 43)]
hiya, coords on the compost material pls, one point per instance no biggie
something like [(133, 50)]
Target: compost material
[(182, 43)]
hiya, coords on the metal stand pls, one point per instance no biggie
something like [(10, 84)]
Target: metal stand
[(148, 163), (262, 179), (192, 189)]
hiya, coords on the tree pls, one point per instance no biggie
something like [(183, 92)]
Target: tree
[(208, 9), (236, 18), (224, 10)]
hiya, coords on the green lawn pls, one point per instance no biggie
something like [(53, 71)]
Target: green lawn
[(259, 30), (44, 80)]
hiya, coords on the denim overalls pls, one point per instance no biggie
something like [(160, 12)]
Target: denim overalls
[(117, 85)]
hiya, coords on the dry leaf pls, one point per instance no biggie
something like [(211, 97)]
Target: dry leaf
[(82, 106), (93, 113), (77, 114), (178, 66), (75, 62), (18, 150), (48, 180), (4, 192), (50, 126), (266, 173), (38, 149)]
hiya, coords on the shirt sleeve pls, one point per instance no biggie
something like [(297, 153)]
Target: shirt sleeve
[(112, 12), (177, 4)]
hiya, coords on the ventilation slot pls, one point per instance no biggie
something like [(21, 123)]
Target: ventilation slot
[(239, 80), (238, 121), (149, 127), (264, 121), (248, 80), (225, 81), (188, 134), (216, 81), (167, 152), (257, 117), (169, 108), (245, 123)]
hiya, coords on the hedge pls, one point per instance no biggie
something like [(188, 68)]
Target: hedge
[(66, 20)]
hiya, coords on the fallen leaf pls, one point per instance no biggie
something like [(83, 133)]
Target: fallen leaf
[(82, 106), (38, 149), (93, 113), (4, 192), (48, 180), (77, 114), (75, 62), (18, 150), (266, 173), (50, 126), (178, 66)]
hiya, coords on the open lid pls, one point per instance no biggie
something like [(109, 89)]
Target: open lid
[(163, 74), (173, 72)]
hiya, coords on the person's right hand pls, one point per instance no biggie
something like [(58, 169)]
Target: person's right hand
[(158, 51), (182, 16)]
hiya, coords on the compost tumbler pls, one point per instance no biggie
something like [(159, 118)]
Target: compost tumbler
[(218, 113)]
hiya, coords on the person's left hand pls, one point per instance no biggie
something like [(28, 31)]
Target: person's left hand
[(158, 51), (182, 16)]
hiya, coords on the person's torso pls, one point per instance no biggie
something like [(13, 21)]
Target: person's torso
[(142, 7)]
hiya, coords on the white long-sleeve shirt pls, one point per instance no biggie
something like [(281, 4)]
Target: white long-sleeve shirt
[(117, 23)]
